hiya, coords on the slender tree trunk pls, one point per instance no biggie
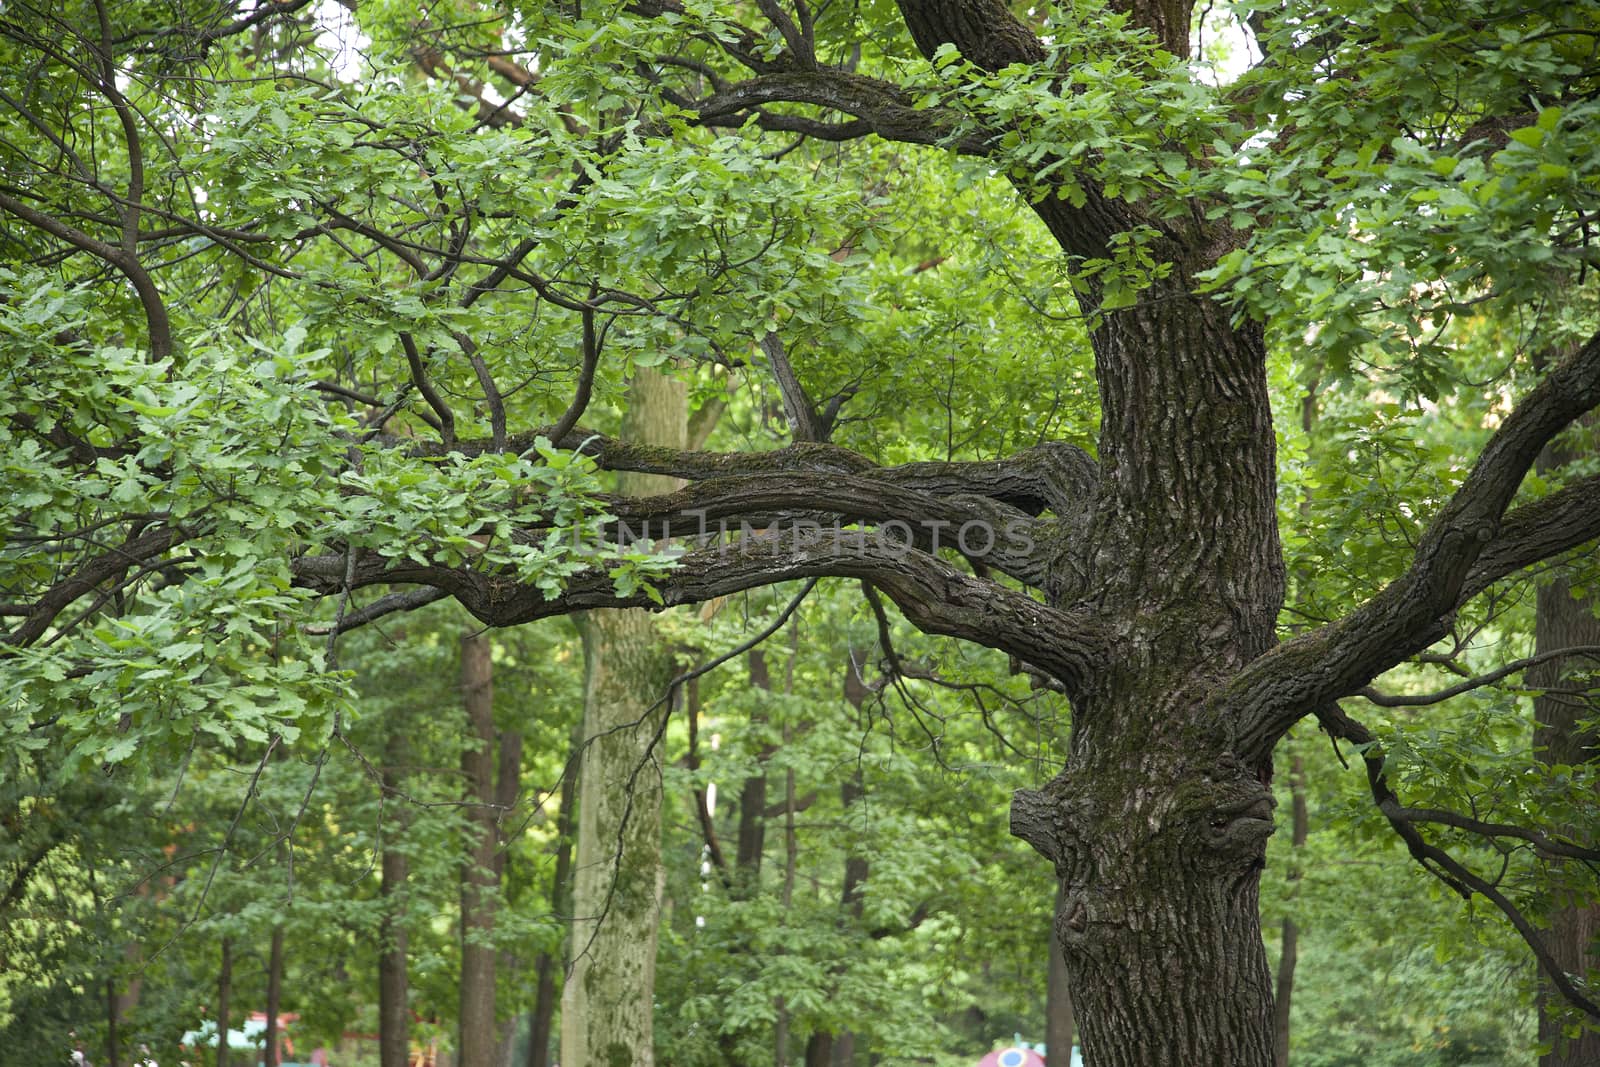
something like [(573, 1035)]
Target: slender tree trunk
[(1058, 1021), (1290, 953), (477, 1044), (607, 1004), (753, 795), (274, 995), (224, 988), (560, 901), (113, 1052), (1561, 621), (508, 785), (826, 1049), (394, 1013)]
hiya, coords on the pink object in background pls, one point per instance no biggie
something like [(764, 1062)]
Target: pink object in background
[(1012, 1057)]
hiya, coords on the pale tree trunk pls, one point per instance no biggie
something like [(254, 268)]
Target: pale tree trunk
[(1563, 620), (394, 1032), (1290, 954), (606, 1007), (1058, 1021), (477, 1045)]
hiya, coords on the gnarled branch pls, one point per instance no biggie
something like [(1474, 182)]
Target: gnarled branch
[(933, 595)]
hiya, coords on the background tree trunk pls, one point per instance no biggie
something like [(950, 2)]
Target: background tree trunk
[(274, 995), (544, 1002), (1058, 1021), (113, 1051), (607, 1004), (477, 1044), (224, 988), (753, 795), (394, 1014), (1561, 621), (1290, 950)]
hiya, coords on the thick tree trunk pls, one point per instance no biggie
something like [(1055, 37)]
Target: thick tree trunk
[(224, 989), (394, 1012), (1561, 621), (606, 1007), (274, 995), (1058, 1018), (477, 1044), (1157, 827)]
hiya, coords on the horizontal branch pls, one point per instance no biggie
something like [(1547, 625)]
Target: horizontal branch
[(1001, 536), (1538, 531), (933, 595), (1053, 476), (880, 108), (1543, 842)]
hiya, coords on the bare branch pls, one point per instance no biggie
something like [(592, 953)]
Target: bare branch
[(1403, 700)]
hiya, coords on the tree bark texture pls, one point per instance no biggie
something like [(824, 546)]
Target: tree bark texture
[(1158, 824), (606, 1007), (478, 1044)]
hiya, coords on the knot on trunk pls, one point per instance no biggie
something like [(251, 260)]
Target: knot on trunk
[(1224, 817)]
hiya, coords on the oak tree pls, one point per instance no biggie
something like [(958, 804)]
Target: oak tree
[(288, 332)]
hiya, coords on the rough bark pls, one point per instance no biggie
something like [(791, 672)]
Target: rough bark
[(1564, 620), (477, 1043), (394, 1038), (606, 1007)]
